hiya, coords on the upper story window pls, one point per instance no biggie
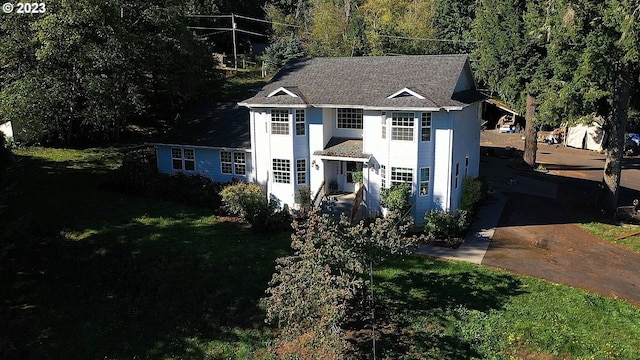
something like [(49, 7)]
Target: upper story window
[(383, 122), (349, 118), (402, 126), (425, 126), (300, 122), (279, 122), (383, 176), (183, 159)]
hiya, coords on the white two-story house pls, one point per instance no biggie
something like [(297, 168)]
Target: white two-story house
[(413, 119)]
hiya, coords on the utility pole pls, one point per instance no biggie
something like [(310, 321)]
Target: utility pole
[(235, 51)]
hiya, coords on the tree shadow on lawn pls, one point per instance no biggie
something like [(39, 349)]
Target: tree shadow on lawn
[(416, 301), (129, 277)]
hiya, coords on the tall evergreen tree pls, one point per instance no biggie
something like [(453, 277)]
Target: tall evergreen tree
[(512, 56)]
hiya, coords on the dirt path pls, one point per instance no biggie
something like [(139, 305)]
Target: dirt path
[(536, 234)]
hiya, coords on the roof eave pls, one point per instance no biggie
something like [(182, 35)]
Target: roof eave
[(201, 146)]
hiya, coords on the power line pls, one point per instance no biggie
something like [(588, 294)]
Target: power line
[(208, 16), (428, 39), (266, 21)]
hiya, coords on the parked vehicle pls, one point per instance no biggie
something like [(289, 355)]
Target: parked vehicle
[(632, 145)]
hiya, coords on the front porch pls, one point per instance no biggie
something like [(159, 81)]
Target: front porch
[(350, 204)]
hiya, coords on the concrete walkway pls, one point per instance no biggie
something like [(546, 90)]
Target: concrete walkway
[(477, 240)]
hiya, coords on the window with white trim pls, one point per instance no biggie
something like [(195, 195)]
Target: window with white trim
[(425, 126), (466, 165), (383, 120), (226, 162), (401, 175), (300, 122), (457, 173), (402, 126), (383, 176), (233, 162), (281, 171), (301, 171), (424, 181), (279, 122), (349, 118), (239, 163), (183, 159)]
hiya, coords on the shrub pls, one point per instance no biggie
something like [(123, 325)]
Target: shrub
[(397, 198), (357, 176), (243, 199), (333, 186), (444, 225), (143, 180), (474, 191), (303, 197), (249, 202)]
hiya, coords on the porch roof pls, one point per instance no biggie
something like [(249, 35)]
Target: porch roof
[(338, 147)]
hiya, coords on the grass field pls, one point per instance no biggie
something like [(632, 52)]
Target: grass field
[(86, 273), (621, 234)]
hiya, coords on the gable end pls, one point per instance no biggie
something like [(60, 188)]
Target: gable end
[(405, 92), (281, 91)]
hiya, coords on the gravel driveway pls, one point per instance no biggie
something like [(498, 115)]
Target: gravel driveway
[(536, 234)]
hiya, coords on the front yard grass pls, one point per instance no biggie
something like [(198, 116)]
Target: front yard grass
[(431, 309), (613, 233), (86, 273)]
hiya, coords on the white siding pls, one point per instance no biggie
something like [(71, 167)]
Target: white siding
[(466, 142), (443, 137), (454, 136), (260, 143), (316, 142), (374, 144)]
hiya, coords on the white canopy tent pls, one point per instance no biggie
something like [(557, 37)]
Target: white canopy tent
[(589, 137)]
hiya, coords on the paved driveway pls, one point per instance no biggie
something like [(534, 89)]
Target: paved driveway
[(535, 234)]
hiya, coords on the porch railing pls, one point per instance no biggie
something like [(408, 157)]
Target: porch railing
[(356, 203), (317, 200)]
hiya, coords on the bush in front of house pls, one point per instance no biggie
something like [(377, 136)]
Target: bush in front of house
[(197, 190), (474, 192), (442, 225), (144, 180), (250, 202), (397, 198)]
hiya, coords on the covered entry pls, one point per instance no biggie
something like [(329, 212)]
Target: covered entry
[(341, 159)]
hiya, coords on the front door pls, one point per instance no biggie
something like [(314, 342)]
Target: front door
[(349, 168)]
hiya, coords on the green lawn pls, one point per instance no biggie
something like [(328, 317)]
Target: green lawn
[(430, 309), (616, 233), (96, 274), (86, 273)]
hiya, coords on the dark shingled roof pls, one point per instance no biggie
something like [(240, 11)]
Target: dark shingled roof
[(369, 81), (343, 147), (224, 125)]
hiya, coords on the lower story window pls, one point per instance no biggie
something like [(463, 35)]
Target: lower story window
[(183, 159), (424, 181), (383, 176), (281, 171), (226, 162), (240, 163), (301, 171), (401, 175), (233, 162)]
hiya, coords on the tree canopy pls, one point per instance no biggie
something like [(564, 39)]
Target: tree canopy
[(82, 69)]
